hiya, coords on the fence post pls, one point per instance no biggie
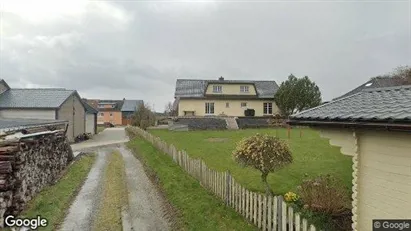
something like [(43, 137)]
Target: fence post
[(227, 187)]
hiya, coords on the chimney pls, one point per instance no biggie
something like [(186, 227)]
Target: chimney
[(221, 78)]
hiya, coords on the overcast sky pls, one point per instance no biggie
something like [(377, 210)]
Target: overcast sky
[(137, 50)]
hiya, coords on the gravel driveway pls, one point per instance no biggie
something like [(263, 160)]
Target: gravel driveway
[(107, 137), (145, 205)]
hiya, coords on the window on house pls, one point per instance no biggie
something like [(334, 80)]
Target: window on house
[(244, 89), (100, 106), (101, 114), (243, 104), (227, 104), (209, 108), (217, 88), (111, 114), (268, 108)]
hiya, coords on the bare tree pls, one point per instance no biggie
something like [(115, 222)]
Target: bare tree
[(403, 72), (170, 110), (144, 117)]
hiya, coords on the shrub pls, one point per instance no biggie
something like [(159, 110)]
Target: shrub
[(325, 194), (291, 197), (264, 153), (143, 117)]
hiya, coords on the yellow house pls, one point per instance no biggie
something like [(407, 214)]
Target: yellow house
[(196, 97), (374, 127)]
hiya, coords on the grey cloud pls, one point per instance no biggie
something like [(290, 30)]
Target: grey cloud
[(138, 49)]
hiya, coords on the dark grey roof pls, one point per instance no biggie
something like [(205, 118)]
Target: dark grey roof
[(377, 104), (89, 108), (131, 105), (12, 124), (377, 82), (34, 97), (195, 88)]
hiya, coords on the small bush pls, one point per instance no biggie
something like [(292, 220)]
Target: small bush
[(264, 153), (324, 194)]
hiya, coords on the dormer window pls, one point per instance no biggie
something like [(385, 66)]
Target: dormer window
[(244, 89), (217, 89)]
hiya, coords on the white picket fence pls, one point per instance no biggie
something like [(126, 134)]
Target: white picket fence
[(265, 212)]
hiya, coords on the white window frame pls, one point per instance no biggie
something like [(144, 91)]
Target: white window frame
[(217, 88), (243, 106), (244, 89), (266, 108), (209, 106)]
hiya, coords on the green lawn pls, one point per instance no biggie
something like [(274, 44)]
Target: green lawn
[(114, 197), (53, 201), (197, 209), (100, 129), (312, 156)]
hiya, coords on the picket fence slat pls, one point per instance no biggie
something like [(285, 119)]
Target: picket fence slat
[(275, 214), (304, 225), (265, 212), (312, 228), (283, 215), (259, 210), (269, 213), (297, 222), (290, 219), (255, 208)]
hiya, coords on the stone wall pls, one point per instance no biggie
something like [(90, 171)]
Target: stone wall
[(200, 123), (28, 163)]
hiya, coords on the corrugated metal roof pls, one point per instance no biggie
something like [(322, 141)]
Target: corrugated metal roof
[(13, 124), (34, 97), (377, 104), (131, 105), (195, 88)]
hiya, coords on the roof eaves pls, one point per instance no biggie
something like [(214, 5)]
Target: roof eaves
[(324, 105)]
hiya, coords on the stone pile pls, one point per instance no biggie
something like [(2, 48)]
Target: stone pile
[(28, 163)]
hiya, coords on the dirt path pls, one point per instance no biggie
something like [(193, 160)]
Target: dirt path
[(81, 213), (145, 206)]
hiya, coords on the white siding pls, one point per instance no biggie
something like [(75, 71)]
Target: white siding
[(90, 123), (28, 114), (384, 185)]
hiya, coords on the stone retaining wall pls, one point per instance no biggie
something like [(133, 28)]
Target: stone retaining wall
[(28, 163)]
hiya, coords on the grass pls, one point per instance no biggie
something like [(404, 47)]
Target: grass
[(198, 209), (114, 195), (100, 129), (312, 156), (53, 201)]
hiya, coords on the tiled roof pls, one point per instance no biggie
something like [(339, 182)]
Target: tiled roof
[(378, 104), (195, 88), (12, 124), (377, 82), (34, 97), (118, 104), (131, 105), (89, 108)]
